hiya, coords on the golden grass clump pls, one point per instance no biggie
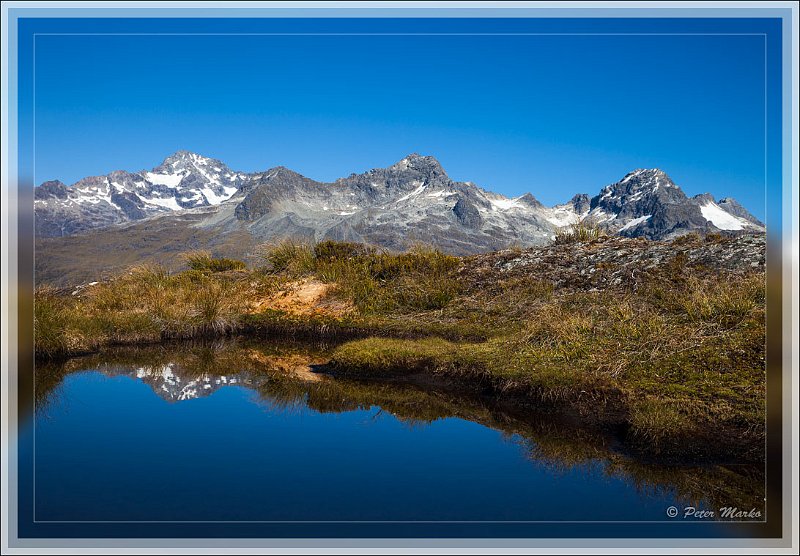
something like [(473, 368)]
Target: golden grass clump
[(146, 304), (289, 256), (375, 281), (585, 230), (203, 261)]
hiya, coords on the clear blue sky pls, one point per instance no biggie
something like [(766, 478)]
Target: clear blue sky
[(553, 115)]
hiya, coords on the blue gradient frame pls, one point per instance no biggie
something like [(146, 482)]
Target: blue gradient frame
[(770, 27)]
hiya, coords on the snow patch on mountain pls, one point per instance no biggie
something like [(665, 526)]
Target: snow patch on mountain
[(170, 180), (412, 200), (721, 219), (563, 215), (635, 222), (168, 202), (420, 188), (505, 204)]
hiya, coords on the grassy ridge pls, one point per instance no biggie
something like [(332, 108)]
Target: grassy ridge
[(215, 296), (678, 362), (671, 367), (145, 305)]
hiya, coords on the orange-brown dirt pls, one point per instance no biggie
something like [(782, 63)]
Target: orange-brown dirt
[(296, 365), (306, 297)]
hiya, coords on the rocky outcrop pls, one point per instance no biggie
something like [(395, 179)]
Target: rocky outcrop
[(619, 262)]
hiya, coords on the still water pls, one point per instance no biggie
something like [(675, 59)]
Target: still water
[(250, 432)]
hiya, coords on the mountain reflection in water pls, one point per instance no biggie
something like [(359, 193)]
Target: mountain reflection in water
[(283, 375)]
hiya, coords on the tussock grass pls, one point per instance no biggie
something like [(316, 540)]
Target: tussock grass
[(585, 230), (329, 251), (50, 316), (376, 357), (655, 421), (672, 363), (203, 261), (376, 281), (289, 256), (146, 304), (380, 282)]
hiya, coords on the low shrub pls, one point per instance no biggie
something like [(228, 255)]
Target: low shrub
[(328, 251), (204, 262), (289, 256), (687, 239)]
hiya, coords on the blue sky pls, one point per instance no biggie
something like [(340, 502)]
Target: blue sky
[(553, 115)]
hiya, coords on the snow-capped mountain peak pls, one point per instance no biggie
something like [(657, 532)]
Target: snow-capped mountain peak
[(636, 184), (647, 203), (413, 200), (184, 180)]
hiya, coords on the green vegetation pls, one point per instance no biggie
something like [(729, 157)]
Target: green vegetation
[(290, 257), (203, 261), (50, 321), (147, 304), (674, 364), (678, 362), (377, 282)]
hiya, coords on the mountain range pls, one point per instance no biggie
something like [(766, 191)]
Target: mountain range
[(412, 201)]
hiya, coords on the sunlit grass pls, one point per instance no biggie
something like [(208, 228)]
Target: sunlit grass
[(585, 230), (203, 261), (680, 355)]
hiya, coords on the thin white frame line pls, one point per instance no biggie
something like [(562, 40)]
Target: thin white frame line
[(33, 305), (766, 266), (411, 34), (766, 223), (493, 522)]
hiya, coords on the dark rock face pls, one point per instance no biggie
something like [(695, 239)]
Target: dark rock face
[(530, 201), (668, 221), (581, 203), (467, 214), (411, 201), (637, 192), (647, 203), (401, 175), (131, 205), (264, 192), (51, 189)]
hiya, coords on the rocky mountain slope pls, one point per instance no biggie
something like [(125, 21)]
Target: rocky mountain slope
[(101, 224), (412, 200), (646, 203), (184, 180)]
